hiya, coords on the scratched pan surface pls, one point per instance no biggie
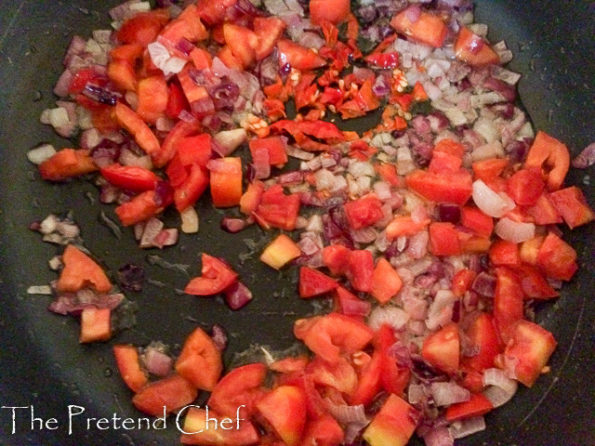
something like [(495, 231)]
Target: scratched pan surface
[(41, 363)]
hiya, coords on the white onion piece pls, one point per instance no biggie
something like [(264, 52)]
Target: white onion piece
[(231, 139), (447, 393), (514, 231), (151, 230), (190, 222), (42, 290), (490, 150), (500, 389), (440, 311), (163, 60), (490, 202), (464, 428), (393, 316), (348, 414), (41, 153)]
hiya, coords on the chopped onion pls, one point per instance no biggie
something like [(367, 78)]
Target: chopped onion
[(447, 393), (157, 362), (500, 388), (190, 221), (230, 140), (491, 203), (345, 414), (237, 296), (464, 428), (219, 336), (41, 153), (43, 290), (393, 316), (152, 228), (439, 436), (440, 311), (513, 231), (586, 158)]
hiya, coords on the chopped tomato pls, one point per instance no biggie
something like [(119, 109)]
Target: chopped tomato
[(201, 58), (127, 359), (444, 239), (557, 258), (284, 408), (361, 270), (386, 282), (572, 206), (403, 225), (226, 181), (95, 325), (176, 101), (333, 11), (477, 406), (140, 208), (505, 253), (297, 56), (477, 221), (339, 375), (210, 428), (216, 277), (313, 283), (242, 42), (444, 162), (483, 339), (534, 284), (393, 378), (528, 351), (451, 188), (165, 396), (525, 186), (364, 211), (200, 361), (195, 184), (153, 96), (277, 209), (67, 163), (251, 198), (169, 147), (489, 169), (81, 271), (551, 156), (462, 281), (275, 147), (240, 387), (280, 252), (442, 349), (508, 301), (186, 26), (428, 28), (393, 425), (324, 431), (384, 60), (333, 334), (80, 79), (336, 258), (369, 382), (268, 30), (213, 11), (543, 211), (134, 178), (194, 149), (134, 124), (349, 304), (143, 28), (529, 250), (474, 50)]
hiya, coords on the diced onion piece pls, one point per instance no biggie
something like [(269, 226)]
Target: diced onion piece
[(393, 316), (44, 290), (231, 139), (500, 388), (514, 231), (490, 202), (447, 393), (190, 222), (41, 153), (464, 428)]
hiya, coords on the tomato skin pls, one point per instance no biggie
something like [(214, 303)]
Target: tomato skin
[(361, 270), (127, 359), (428, 29), (140, 208), (386, 282), (364, 211), (81, 271), (442, 349), (226, 181), (393, 424), (572, 206), (474, 50), (192, 188), (285, 409), (547, 152), (333, 11), (297, 56), (173, 393), (525, 186), (202, 423), (200, 361), (134, 178), (528, 351), (482, 335), (240, 386), (441, 188), (216, 277), (313, 283), (508, 301), (477, 406), (556, 258)]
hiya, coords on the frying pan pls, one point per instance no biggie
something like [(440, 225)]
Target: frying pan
[(41, 362)]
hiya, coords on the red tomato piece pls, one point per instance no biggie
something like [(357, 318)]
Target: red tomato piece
[(242, 42), (95, 325), (489, 169), (122, 74), (505, 253), (216, 277), (534, 284), (129, 52), (551, 156), (403, 225), (508, 301), (290, 364), (186, 26), (474, 50), (428, 28), (200, 361), (361, 270), (483, 338), (166, 395), (195, 149), (195, 184), (277, 209), (67, 163), (140, 208), (386, 282), (369, 382), (209, 428), (168, 149), (333, 11), (525, 186), (364, 211), (127, 359), (134, 125), (153, 96), (543, 211), (528, 351), (226, 181), (284, 408), (251, 198), (462, 281), (241, 386), (450, 188), (80, 79), (443, 162), (275, 146), (297, 56), (383, 60), (444, 239), (477, 221), (336, 258), (142, 28), (268, 31), (330, 335), (442, 349), (556, 258), (314, 283), (392, 378), (477, 406), (213, 11), (134, 178), (572, 206), (324, 431), (350, 305), (339, 375), (176, 101), (530, 249), (280, 252), (393, 425), (81, 271)]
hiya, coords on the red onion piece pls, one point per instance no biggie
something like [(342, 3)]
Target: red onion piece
[(449, 213), (156, 362), (439, 436), (586, 158), (484, 284), (219, 336), (233, 225), (131, 277), (75, 303), (413, 13), (237, 296)]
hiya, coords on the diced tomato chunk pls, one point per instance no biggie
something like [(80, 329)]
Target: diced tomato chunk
[(477, 221), (442, 349), (195, 184), (386, 282), (226, 181), (324, 431), (268, 30), (403, 225), (277, 209), (200, 361), (140, 208), (551, 156), (67, 163), (444, 239), (505, 253), (216, 277), (95, 325), (241, 386), (210, 428), (361, 270), (127, 359), (280, 251), (474, 50), (477, 406), (153, 96), (462, 281), (572, 206), (393, 425), (336, 258), (134, 124), (453, 187), (297, 56), (142, 28), (483, 338), (81, 271), (166, 395), (557, 258), (333, 11), (508, 301), (314, 283), (134, 178), (275, 146), (525, 186), (428, 28), (364, 211), (285, 409)]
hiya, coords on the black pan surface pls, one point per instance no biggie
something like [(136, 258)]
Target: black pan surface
[(42, 364)]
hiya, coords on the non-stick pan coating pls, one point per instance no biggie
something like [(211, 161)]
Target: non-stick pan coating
[(41, 361)]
